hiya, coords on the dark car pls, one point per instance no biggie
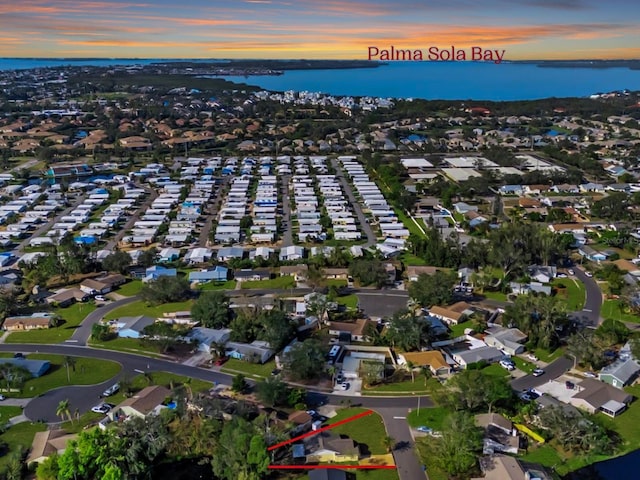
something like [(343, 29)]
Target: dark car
[(18, 355)]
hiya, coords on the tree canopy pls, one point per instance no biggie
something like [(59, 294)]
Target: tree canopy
[(436, 289), (165, 290), (211, 309)]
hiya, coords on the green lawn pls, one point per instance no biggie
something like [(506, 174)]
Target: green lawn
[(141, 308), (250, 369), (405, 386), (499, 296), (88, 371), (72, 316), (409, 259), (627, 423), (458, 329), (429, 417), (131, 288), (495, 370), (574, 293), (409, 223), (523, 365), (19, 437), (425, 454), (349, 301), (7, 413), (167, 379), (368, 430), (228, 285), (284, 282), (613, 309), (127, 345), (336, 282), (546, 356)]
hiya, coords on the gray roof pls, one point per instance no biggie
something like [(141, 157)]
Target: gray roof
[(136, 324), (622, 370), (478, 354)]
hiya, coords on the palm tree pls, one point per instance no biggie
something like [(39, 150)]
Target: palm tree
[(389, 442), (64, 410), (410, 366), (426, 373), (332, 370), (70, 362)]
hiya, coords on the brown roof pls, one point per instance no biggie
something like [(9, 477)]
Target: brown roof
[(330, 441), (501, 467), (414, 271), (335, 271), (597, 393), (93, 284), (47, 442), (147, 399), (445, 312), (432, 358), (355, 328), (39, 321), (529, 202), (72, 293), (112, 280), (300, 418), (485, 419), (292, 269), (623, 264)]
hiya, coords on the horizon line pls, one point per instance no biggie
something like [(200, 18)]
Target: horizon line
[(305, 59)]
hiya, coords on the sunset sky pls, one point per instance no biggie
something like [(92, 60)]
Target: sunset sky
[(526, 29)]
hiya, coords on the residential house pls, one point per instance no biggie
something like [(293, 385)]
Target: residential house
[(336, 273), (217, 274), (94, 287), (437, 327), (131, 327), (326, 447), (509, 340), (255, 352), (301, 421), (157, 271), (147, 401), (208, 337), (462, 207), (291, 253), (499, 434), (527, 288), (432, 359), (167, 255), (64, 298), (113, 280), (453, 314), (327, 474), (47, 443), (542, 273), (35, 321), (504, 467), (591, 254), (413, 272), (351, 331), (591, 187), (36, 368), (264, 252), (594, 396), (252, 274), (474, 355), (298, 272), (621, 373), (228, 253), (198, 255)]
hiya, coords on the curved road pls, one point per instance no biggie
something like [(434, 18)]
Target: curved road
[(393, 410), (590, 314)]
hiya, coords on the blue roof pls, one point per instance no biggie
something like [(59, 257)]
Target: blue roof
[(37, 368), (85, 240)]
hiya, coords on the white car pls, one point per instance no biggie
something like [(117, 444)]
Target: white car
[(112, 390), (508, 365), (102, 408), (588, 274), (2, 397), (571, 271), (100, 298), (345, 386), (532, 357)]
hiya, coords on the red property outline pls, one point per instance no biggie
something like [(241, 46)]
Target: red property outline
[(310, 434)]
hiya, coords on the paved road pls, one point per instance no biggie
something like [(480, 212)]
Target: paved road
[(287, 234), (153, 194), (364, 224), (212, 212), (590, 314), (83, 332), (551, 372), (404, 454)]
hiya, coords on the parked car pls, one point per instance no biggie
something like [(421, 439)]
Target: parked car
[(345, 386), (112, 390), (588, 274), (590, 375), (18, 355), (509, 365), (424, 429), (100, 298), (537, 372), (2, 397), (101, 408), (569, 385), (571, 271), (562, 275), (220, 361), (532, 357), (340, 378)]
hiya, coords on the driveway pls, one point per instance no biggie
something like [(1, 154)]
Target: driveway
[(551, 372), (83, 332), (590, 314)]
